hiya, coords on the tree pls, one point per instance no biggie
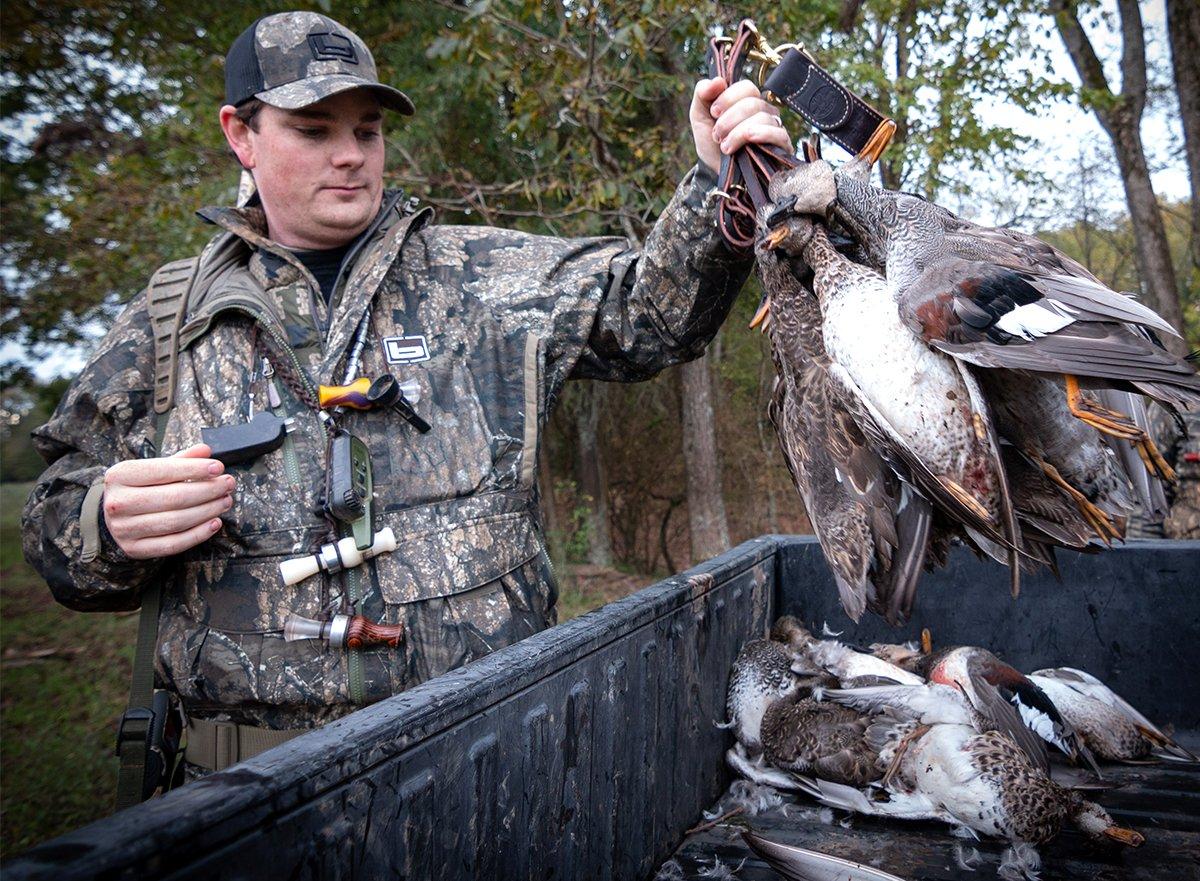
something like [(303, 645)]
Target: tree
[(706, 501), (1120, 115), (1183, 30)]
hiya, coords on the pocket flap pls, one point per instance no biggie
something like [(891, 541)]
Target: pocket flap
[(456, 559)]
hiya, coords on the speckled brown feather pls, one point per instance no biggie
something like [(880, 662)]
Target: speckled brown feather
[(821, 739)]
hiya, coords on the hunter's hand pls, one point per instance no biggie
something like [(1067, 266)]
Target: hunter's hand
[(726, 118), (161, 507)]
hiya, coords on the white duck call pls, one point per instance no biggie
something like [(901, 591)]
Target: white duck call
[(336, 556)]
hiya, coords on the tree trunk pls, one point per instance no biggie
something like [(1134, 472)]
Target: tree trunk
[(706, 502), (1153, 255), (1183, 28), (1121, 117), (589, 467)]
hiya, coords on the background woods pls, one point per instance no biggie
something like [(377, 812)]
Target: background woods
[(566, 117), (570, 118)]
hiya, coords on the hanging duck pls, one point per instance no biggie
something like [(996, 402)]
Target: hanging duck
[(1045, 328)]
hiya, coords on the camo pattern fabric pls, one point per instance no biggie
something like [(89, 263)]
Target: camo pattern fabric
[(305, 57), (490, 323)]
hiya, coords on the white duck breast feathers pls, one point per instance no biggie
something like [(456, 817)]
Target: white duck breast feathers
[(917, 390)]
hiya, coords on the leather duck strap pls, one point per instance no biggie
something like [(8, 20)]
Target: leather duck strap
[(803, 85), (742, 179)]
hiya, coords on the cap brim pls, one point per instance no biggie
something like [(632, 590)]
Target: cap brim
[(308, 91)]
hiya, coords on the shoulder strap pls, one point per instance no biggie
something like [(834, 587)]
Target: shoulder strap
[(166, 299), (166, 303)]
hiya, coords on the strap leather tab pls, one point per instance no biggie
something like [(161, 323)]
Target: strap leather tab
[(804, 86)]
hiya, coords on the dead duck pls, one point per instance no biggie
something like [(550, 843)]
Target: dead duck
[(990, 684), (1110, 726), (803, 736), (761, 675), (999, 697), (1001, 299), (840, 661), (872, 528), (981, 781), (924, 412)]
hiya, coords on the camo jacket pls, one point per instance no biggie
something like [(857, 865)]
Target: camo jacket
[(490, 323)]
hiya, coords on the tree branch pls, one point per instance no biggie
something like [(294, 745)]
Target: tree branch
[(1133, 57), (1079, 47)]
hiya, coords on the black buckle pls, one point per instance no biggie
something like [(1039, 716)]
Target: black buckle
[(134, 714), (783, 210)]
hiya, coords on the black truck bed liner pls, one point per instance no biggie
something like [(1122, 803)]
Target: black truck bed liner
[(587, 751)]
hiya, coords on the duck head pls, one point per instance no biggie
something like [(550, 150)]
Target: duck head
[(811, 184), (1097, 824), (789, 234), (904, 656)]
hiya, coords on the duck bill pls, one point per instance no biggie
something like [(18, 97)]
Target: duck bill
[(1127, 837), (775, 238), (878, 142), (763, 315)]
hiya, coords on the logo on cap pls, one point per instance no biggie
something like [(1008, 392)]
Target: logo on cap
[(332, 47)]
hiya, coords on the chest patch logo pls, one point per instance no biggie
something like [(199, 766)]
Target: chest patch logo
[(405, 349)]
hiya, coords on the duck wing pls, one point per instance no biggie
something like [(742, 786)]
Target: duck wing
[(1087, 684), (1001, 715), (997, 316)]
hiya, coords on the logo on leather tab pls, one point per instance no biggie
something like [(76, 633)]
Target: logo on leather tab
[(828, 106), (405, 349), (332, 47)]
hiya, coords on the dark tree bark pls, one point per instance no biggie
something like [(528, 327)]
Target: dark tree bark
[(1183, 28), (589, 468), (1120, 115), (705, 499)]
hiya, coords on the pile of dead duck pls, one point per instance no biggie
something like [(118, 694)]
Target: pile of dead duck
[(907, 733)]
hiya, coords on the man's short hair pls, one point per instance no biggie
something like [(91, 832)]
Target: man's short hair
[(248, 111)]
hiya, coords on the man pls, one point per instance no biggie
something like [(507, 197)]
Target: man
[(487, 323)]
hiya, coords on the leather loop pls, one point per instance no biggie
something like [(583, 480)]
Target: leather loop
[(742, 180), (808, 89)]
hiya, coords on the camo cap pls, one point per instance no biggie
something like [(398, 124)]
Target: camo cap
[(294, 59)]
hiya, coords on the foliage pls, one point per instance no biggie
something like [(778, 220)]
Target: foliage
[(65, 678), (25, 403)]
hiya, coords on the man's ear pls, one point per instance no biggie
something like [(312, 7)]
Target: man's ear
[(237, 133)]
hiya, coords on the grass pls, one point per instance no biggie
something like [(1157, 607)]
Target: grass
[(64, 677), (583, 588)]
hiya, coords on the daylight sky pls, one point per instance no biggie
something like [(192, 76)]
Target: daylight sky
[(1060, 132)]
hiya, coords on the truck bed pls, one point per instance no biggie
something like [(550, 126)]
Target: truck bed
[(587, 751), (1161, 801)]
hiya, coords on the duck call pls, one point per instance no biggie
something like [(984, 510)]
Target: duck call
[(344, 631), (336, 556)]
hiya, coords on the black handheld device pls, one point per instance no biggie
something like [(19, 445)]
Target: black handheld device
[(245, 441)]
